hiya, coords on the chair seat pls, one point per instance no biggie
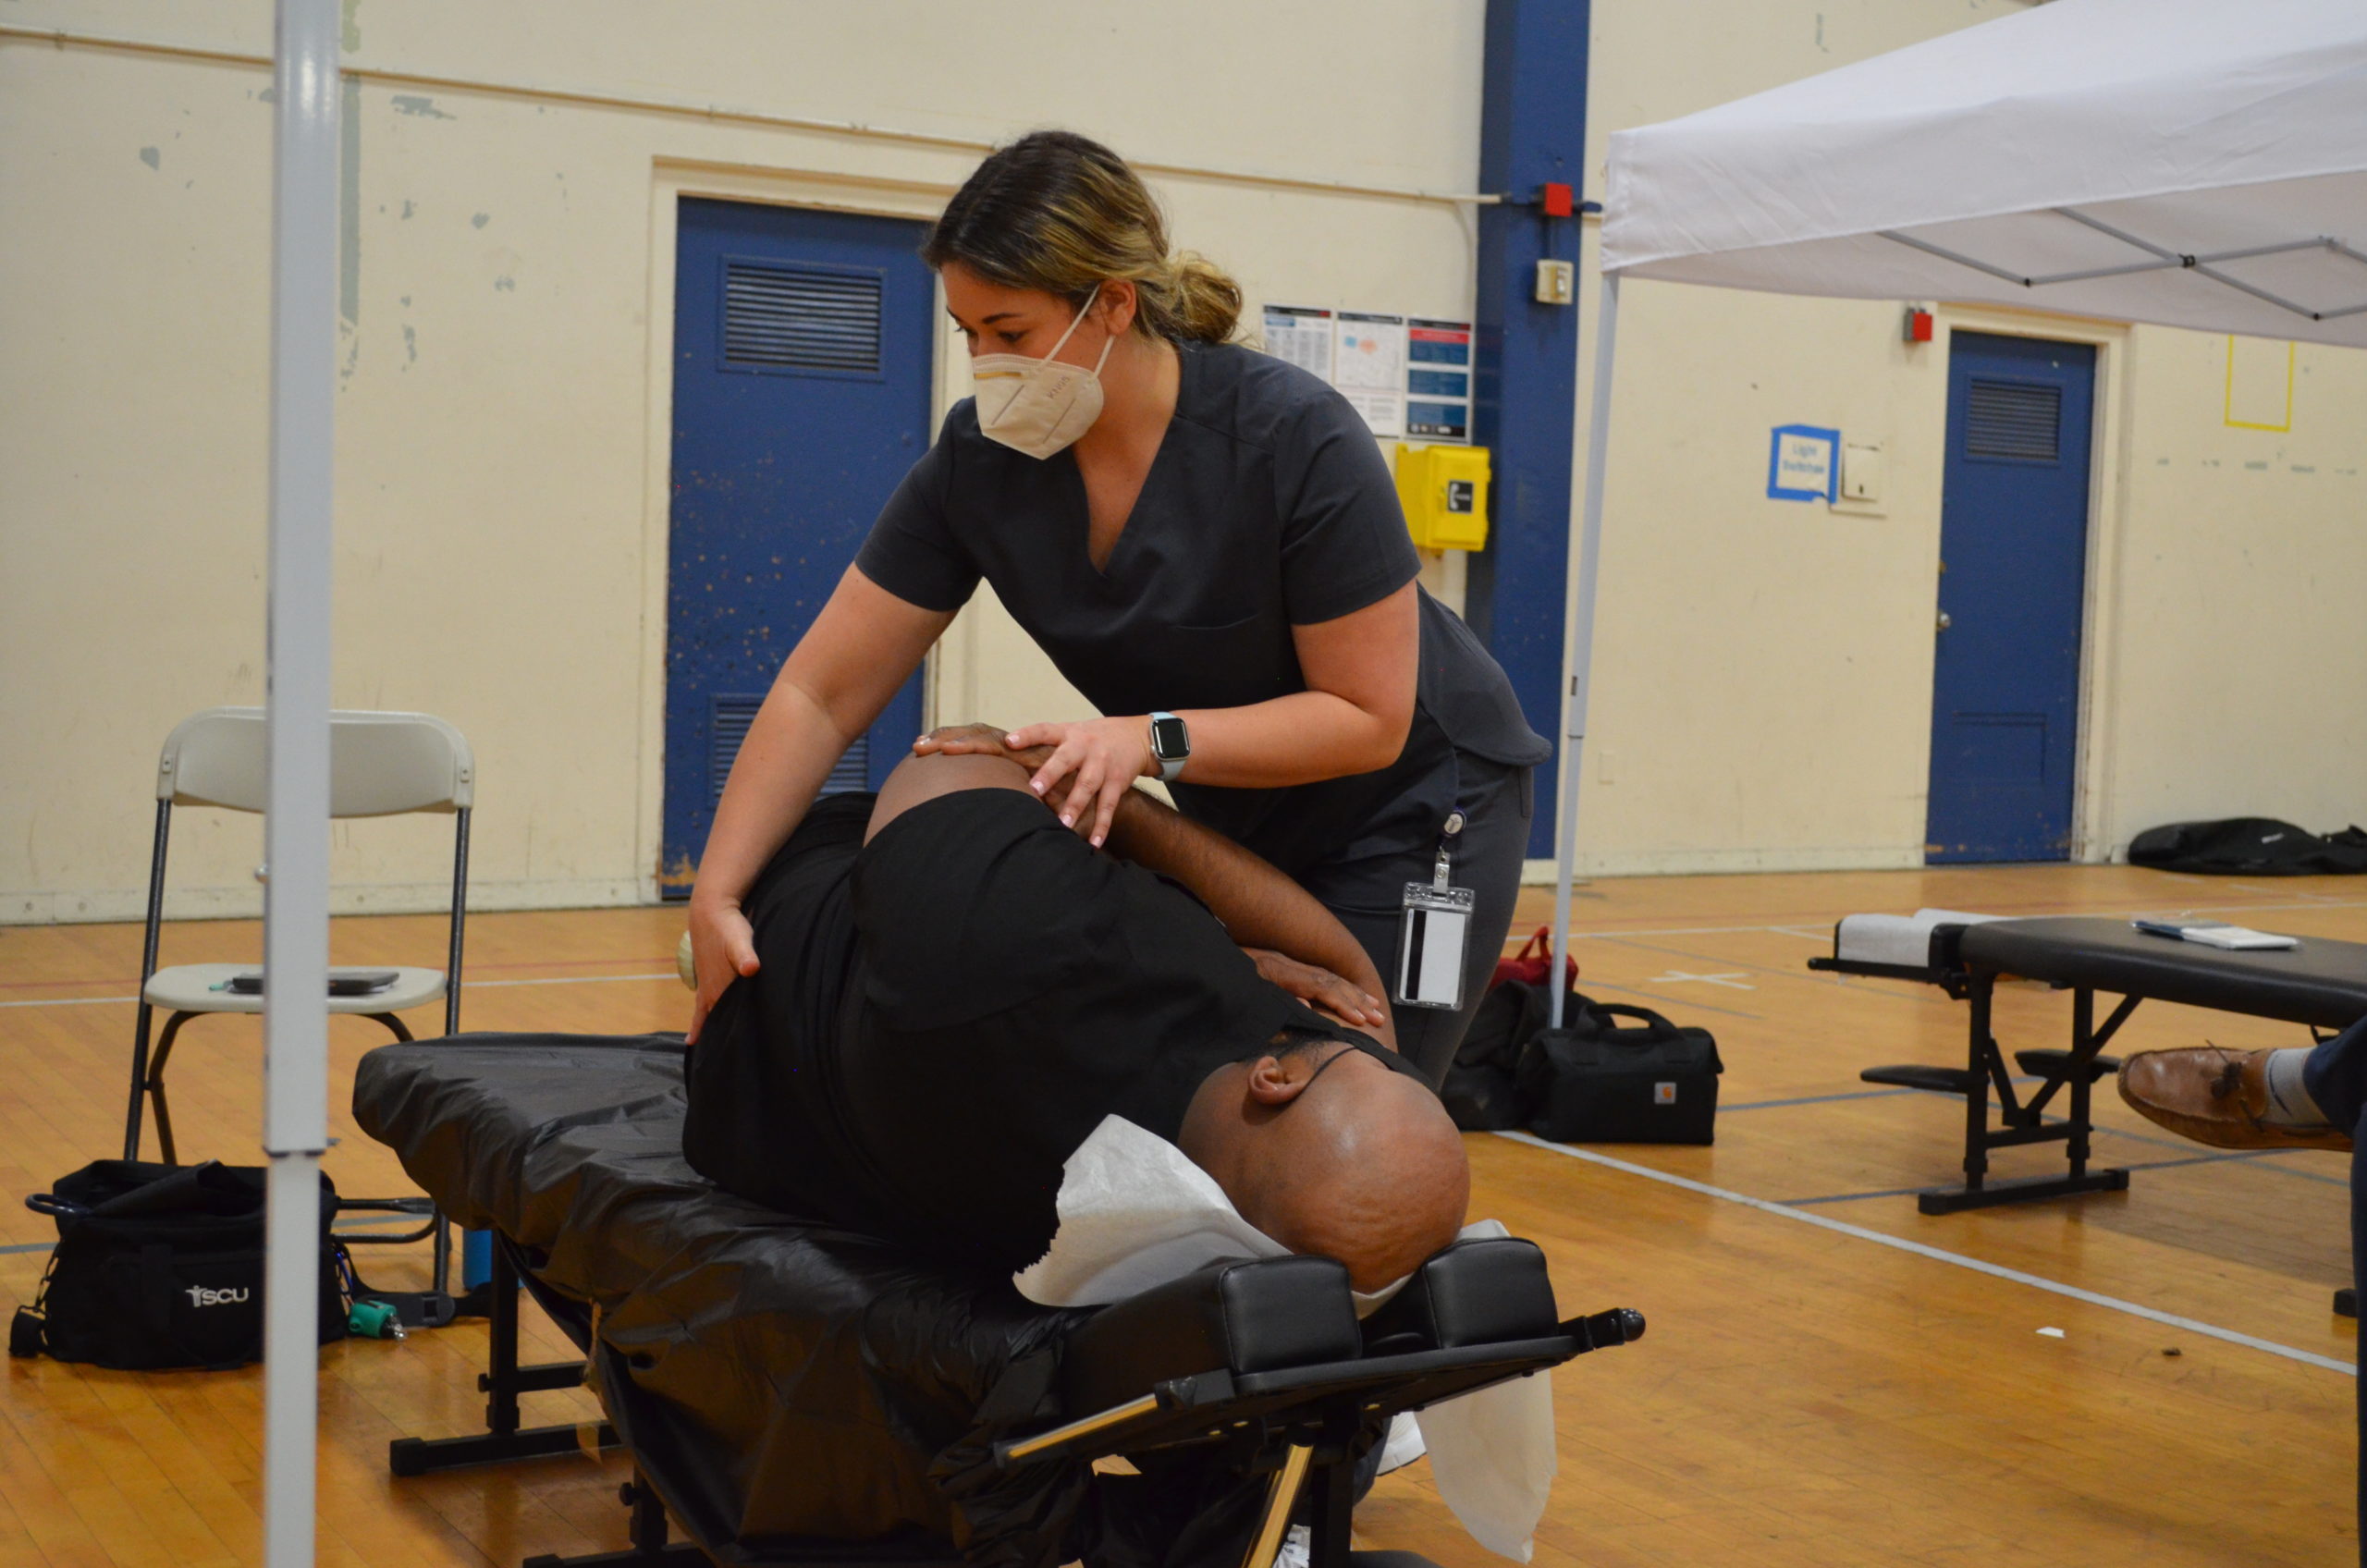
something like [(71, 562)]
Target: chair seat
[(190, 988)]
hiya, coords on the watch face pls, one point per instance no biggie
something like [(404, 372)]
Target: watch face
[(1169, 738)]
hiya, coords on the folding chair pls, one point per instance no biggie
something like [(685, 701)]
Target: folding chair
[(380, 764)]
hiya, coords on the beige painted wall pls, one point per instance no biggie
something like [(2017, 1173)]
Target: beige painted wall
[(1764, 679)]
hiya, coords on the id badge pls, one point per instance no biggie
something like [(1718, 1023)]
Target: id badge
[(1430, 945)]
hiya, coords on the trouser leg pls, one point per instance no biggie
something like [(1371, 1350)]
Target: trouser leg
[(1497, 803), (2337, 1079)]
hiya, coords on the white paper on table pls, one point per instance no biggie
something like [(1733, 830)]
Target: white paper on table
[(1492, 1452), (1135, 1213)]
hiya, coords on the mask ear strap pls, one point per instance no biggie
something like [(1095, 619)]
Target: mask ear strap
[(1082, 310)]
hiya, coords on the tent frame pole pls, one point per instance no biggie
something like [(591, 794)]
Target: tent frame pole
[(1574, 690), (296, 814)]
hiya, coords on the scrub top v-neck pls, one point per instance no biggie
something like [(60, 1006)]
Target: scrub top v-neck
[(1266, 505)]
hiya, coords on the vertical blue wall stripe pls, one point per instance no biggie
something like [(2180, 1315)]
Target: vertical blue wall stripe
[(1532, 130)]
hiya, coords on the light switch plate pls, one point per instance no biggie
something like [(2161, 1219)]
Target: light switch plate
[(1861, 471), (1557, 282)]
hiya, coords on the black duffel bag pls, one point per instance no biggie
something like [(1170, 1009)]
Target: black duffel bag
[(160, 1266), (1482, 1089), (1598, 1081)]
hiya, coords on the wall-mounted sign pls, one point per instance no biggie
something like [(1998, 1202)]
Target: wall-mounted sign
[(1803, 462), (1369, 367), (1438, 380), (1301, 336)]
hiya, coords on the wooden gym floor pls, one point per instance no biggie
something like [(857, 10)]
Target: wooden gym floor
[(1809, 1393)]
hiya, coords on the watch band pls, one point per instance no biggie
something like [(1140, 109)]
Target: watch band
[(1170, 766)]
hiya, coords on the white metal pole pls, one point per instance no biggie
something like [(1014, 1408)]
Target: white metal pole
[(296, 818), (1574, 693)]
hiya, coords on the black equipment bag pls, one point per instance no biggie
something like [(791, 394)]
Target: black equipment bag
[(160, 1266), (1598, 1081), (1482, 1091), (2250, 846)]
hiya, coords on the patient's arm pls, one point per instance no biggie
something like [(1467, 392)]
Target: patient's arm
[(1259, 905)]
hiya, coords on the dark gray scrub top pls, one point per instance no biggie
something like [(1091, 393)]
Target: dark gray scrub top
[(1268, 507)]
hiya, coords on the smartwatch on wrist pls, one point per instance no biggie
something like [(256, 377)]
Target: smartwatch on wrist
[(1171, 744)]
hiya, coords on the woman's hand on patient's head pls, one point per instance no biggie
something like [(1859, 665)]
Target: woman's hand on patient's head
[(1320, 988), (723, 948)]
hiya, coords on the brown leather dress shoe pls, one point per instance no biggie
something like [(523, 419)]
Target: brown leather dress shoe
[(2215, 1097)]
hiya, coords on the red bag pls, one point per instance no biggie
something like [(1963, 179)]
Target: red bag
[(1533, 961)]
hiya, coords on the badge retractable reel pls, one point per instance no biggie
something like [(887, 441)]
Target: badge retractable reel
[(1431, 936)]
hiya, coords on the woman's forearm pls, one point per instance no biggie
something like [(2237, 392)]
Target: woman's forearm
[(1299, 738)]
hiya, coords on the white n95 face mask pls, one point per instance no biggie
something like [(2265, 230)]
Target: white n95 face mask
[(1038, 407)]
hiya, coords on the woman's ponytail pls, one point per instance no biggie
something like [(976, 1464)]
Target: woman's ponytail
[(1202, 301)]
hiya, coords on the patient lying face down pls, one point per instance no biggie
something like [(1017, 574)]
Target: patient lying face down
[(954, 990)]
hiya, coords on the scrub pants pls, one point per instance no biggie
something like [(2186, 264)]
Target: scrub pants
[(2336, 1076), (1497, 801)]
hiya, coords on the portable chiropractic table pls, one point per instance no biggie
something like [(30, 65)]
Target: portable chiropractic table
[(2320, 983), (797, 1395)]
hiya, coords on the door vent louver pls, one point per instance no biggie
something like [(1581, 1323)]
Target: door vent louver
[(793, 318), (2014, 419)]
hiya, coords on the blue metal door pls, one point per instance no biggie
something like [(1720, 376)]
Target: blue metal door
[(801, 360), (2013, 579)]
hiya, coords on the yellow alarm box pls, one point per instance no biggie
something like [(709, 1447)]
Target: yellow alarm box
[(1445, 491)]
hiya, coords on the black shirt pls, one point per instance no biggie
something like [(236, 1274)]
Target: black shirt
[(1267, 506), (944, 1014)]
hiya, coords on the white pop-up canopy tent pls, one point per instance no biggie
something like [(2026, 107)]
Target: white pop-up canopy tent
[(2185, 162)]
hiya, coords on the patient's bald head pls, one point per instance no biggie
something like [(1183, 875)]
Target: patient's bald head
[(1328, 1151)]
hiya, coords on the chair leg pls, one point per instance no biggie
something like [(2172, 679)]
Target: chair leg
[(156, 1084), (393, 1022), (139, 1083)]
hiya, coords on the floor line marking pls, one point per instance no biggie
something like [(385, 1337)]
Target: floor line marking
[(1732, 979), (466, 988), (1939, 1255), (1821, 1099)]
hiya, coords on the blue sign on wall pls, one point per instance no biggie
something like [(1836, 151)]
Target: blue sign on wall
[(1803, 463)]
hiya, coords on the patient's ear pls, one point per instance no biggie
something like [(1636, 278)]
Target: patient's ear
[(1275, 1079)]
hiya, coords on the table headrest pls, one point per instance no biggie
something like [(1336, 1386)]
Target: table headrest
[(1474, 1293), (1248, 1316)]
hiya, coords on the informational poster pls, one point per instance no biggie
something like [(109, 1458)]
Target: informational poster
[(1368, 368), (1438, 381), (1300, 335)]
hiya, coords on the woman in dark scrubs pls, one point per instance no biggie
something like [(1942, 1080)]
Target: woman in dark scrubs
[(1208, 543)]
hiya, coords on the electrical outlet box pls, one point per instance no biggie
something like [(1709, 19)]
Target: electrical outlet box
[(1557, 282)]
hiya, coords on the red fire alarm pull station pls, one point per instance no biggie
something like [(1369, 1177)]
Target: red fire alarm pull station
[(1557, 201), (1919, 325)]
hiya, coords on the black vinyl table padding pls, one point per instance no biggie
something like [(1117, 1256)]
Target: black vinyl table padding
[(786, 1379), (2323, 983)]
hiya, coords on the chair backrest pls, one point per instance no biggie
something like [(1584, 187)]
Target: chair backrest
[(380, 764)]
